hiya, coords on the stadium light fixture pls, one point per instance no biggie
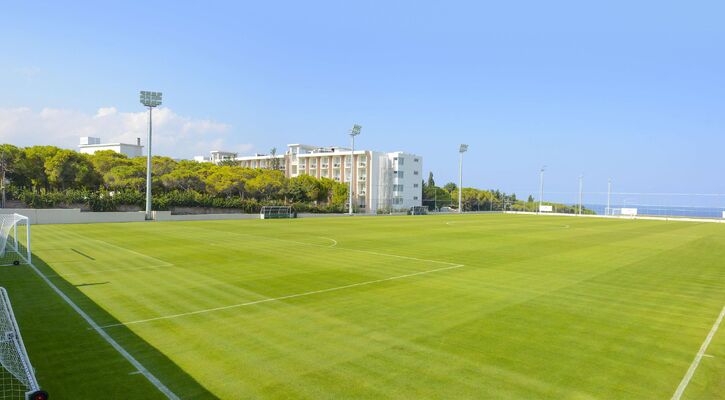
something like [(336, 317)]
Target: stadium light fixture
[(609, 197), (150, 100), (541, 186), (461, 150), (353, 132), (581, 186)]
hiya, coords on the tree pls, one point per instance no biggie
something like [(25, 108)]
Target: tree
[(33, 165), (305, 188), (450, 187), (9, 156), (431, 181), (228, 180), (182, 179), (67, 169), (228, 163), (530, 199), (104, 161), (274, 162), (266, 184), (126, 177)]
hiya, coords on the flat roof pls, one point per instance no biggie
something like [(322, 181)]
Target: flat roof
[(110, 144)]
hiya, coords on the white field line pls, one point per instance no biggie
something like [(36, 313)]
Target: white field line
[(100, 271), (691, 371), (341, 248), (271, 299), (136, 364), (334, 242), (168, 264)]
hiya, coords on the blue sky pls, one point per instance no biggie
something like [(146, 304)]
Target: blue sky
[(629, 90)]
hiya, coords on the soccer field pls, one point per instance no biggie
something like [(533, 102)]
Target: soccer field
[(442, 307)]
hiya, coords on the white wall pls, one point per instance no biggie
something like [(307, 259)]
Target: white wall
[(73, 216), (167, 216)]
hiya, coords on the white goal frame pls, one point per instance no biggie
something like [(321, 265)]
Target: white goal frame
[(13, 357), (12, 252), (418, 210), (621, 212), (276, 212)]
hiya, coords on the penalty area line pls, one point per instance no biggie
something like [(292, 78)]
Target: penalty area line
[(131, 359), (271, 299), (691, 371)]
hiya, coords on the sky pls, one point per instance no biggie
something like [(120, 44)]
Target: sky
[(628, 90)]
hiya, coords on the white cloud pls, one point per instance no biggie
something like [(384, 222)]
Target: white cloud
[(174, 135)]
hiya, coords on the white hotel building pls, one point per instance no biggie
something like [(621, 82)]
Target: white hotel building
[(381, 181)]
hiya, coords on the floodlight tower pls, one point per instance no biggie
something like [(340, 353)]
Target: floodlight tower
[(150, 100), (353, 132), (541, 186), (608, 211), (581, 185), (461, 150)]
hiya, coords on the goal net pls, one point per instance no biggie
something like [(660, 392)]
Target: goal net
[(17, 377), (275, 212), (418, 210), (14, 239), (629, 212)]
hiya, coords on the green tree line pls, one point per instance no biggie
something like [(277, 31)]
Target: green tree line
[(48, 176), (473, 199)]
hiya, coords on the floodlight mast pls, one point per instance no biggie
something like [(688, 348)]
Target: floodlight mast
[(581, 186), (353, 132), (150, 100), (609, 197), (541, 186), (461, 150)]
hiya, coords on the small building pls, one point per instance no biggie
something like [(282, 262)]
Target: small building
[(90, 145)]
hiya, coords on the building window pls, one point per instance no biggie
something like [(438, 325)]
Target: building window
[(397, 200), (415, 160), (415, 172), (415, 185), (401, 174), (397, 188), (415, 197), (401, 161)]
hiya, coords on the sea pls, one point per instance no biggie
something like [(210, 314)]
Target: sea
[(669, 211)]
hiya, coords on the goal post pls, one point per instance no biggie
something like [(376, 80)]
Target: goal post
[(621, 212), (17, 376), (14, 239), (418, 210), (276, 212)]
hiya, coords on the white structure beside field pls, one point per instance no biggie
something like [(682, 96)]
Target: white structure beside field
[(381, 181), (90, 145)]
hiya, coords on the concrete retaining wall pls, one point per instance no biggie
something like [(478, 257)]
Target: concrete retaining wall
[(72, 216), (167, 216)]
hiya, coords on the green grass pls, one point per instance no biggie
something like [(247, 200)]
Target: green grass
[(543, 308)]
